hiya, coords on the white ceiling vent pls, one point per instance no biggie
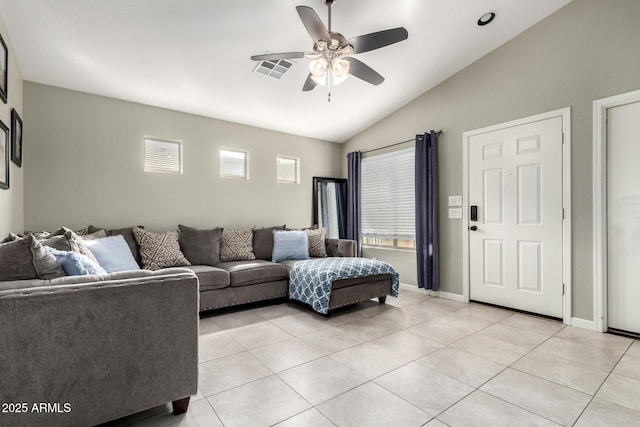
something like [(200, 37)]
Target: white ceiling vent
[(275, 68)]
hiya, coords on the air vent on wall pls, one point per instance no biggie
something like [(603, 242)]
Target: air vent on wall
[(275, 69)]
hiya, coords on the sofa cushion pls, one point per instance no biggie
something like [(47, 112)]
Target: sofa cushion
[(317, 247), (211, 277), (263, 242), (237, 245), (127, 233), (340, 247), (200, 247), (26, 258), (245, 273), (159, 250), (113, 254), (290, 245), (65, 239), (75, 264)]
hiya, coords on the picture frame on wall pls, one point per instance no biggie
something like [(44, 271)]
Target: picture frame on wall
[(4, 70), (4, 156), (16, 138)]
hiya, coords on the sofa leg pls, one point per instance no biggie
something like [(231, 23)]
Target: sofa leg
[(180, 406), (382, 300)]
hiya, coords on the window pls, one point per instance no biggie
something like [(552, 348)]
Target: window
[(388, 200), (162, 156), (288, 170), (234, 164)]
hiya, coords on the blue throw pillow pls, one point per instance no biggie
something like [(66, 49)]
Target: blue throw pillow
[(290, 245), (75, 264), (113, 253)]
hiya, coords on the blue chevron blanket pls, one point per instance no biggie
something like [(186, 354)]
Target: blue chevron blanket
[(310, 281)]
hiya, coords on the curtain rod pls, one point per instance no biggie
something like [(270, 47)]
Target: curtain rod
[(397, 143)]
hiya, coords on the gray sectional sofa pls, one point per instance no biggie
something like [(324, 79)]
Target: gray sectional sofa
[(83, 350)]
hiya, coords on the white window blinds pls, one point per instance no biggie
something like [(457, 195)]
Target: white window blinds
[(388, 199), (288, 170), (162, 156), (233, 164)]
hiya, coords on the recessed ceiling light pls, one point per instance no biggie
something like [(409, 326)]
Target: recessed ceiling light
[(486, 18)]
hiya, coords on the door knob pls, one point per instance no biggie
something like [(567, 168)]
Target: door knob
[(473, 228)]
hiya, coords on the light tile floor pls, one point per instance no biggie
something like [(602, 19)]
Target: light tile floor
[(415, 361)]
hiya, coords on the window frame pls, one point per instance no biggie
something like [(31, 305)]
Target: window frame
[(245, 153), (391, 242), (297, 169), (179, 143)]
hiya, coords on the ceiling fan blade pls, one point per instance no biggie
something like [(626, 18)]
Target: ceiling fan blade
[(313, 23), (309, 84), (379, 39), (362, 71), (275, 56)]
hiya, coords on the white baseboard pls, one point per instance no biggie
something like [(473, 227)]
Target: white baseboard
[(439, 294), (584, 324)]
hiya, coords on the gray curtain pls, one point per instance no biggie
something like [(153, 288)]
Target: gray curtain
[(354, 216), (427, 210)]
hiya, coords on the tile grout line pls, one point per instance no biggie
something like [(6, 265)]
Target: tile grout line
[(494, 376), (603, 383)]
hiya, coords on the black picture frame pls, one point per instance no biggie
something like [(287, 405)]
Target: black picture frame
[(16, 138), (4, 156), (4, 70)]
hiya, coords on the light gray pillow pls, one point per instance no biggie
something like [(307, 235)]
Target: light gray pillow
[(237, 245), (25, 259), (65, 239)]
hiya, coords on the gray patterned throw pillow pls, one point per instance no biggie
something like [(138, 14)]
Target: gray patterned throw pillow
[(159, 250), (237, 245), (317, 247)]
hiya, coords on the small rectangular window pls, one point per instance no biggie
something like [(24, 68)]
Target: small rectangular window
[(162, 156), (288, 170), (234, 164)]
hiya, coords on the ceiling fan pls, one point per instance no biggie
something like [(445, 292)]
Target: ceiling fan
[(331, 60)]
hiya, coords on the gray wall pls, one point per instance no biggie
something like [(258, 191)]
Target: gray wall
[(587, 50), (11, 200), (86, 155)]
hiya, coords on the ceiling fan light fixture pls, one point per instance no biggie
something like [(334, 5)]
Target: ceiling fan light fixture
[(318, 67), (337, 80), (321, 80), (339, 67)]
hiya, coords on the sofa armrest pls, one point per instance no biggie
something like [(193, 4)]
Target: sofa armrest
[(340, 247), (101, 350)]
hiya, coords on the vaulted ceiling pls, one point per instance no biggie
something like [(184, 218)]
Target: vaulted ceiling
[(194, 55)]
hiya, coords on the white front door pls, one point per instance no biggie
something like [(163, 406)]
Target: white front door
[(623, 217), (515, 181)]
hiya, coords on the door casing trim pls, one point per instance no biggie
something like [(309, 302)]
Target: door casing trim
[(600, 273), (565, 114)]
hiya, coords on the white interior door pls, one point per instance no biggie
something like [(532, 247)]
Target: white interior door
[(623, 217), (515, 180)]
